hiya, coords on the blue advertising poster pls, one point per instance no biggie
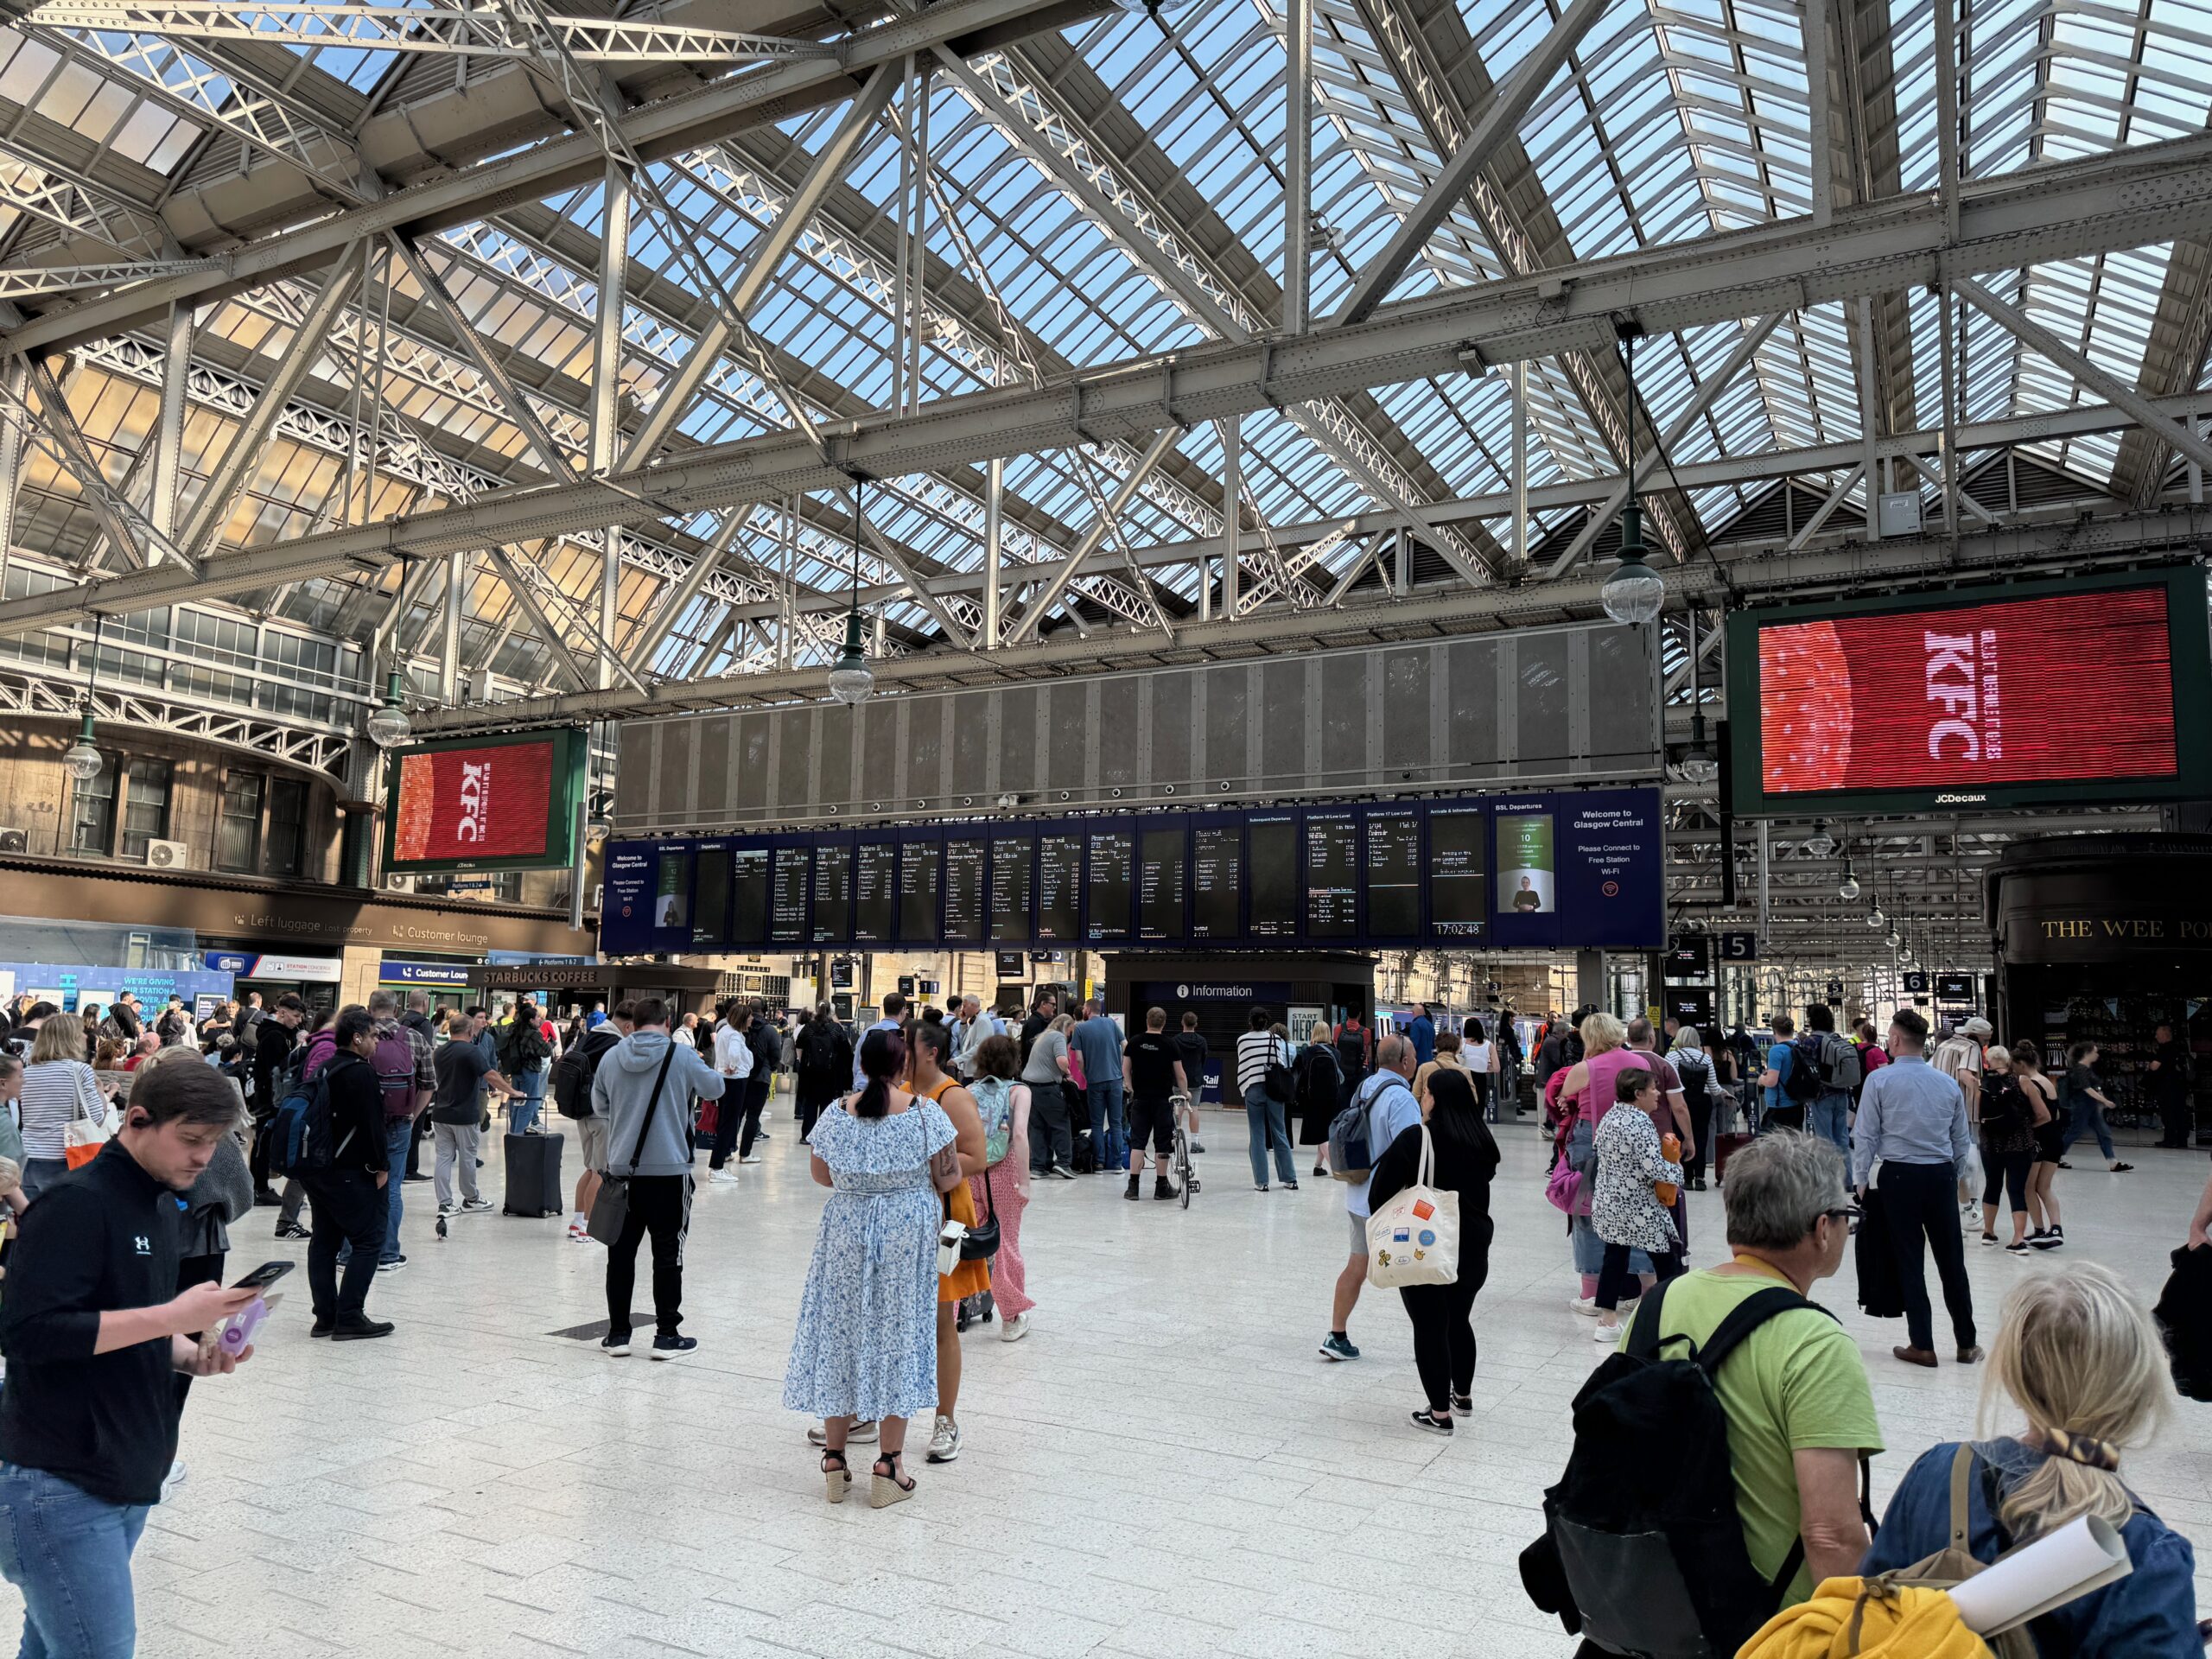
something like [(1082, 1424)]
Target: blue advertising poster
[(626, 909), (1610, 882), (70, 986)]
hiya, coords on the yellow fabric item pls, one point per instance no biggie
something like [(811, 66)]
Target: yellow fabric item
[(1900, 1622)]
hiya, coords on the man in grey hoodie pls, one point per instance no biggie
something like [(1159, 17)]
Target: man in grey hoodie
[(648, 1114)]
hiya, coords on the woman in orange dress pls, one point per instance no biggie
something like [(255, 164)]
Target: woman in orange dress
[(933, 1053)]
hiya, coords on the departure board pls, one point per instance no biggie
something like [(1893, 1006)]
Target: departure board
[(1162, 880), (964, 887), (1217, 881), (1059, 889), (710, 895), (787, 895), (1271, 868), (1109, 885), (748, 896), (1459, 881), (1393, 873), (1013, 860), (1332, 875), (875, 877), (1551, 869), (833, 893), (921, 887)]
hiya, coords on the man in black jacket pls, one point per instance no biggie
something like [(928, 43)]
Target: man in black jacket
[(94, 1330), (591, 1128), (767, 1051), (417, 1018), (272, 1051), (348, 1196)]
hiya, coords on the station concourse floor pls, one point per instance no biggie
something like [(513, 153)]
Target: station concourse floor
[(1166, 1467)]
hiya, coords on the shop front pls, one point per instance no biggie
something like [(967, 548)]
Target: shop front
[(2103, 939), (558, 987), (314, 979)]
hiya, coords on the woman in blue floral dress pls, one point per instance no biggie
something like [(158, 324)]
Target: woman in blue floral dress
[(866, 1345)]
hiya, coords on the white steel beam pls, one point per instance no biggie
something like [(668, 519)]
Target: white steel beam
[(1298, 163), (1033, 613)]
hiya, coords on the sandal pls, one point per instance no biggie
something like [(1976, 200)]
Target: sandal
[(888, 1486), (836, 1475)]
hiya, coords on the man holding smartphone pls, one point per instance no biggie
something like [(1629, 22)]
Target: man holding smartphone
[(95, 1335)]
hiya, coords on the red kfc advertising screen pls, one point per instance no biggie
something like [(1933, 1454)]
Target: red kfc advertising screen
[(506, 802), (2069, 691)]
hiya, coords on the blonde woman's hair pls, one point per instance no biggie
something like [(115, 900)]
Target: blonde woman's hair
[(1319, 1033), (2081, 1357), (61, 1037), (1998, 1052), (1602, 1033)]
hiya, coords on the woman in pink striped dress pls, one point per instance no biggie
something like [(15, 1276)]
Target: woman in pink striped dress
[(1004, 1106)]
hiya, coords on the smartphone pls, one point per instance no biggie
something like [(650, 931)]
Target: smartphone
[(263, 1276)]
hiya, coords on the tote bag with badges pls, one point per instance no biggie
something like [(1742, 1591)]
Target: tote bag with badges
[(1415, 1238)]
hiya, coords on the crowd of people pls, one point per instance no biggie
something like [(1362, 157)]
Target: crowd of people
[(929, 1133)]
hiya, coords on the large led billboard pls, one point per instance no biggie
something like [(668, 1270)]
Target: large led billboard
[(2006, 694), (505, 803)]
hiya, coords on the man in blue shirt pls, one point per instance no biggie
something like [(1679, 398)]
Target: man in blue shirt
[(1421, 1031), (1912, 1120), (1098, 1040), (1387, 1097), (1778, 1110), (893, 1006)]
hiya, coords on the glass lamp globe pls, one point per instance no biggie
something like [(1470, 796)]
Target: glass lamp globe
[(1819, 843), (1874, 916), (82, 759), (388, 726), (1850, 888), (1698, 765), (850, 679), (1634, 592)]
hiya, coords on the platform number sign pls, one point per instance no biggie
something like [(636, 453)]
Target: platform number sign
[(1738, 947), (1916, 984)]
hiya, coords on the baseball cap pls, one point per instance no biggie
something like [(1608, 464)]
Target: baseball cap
[(1977, 1027)]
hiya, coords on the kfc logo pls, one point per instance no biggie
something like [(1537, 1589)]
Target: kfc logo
[(475, 801)]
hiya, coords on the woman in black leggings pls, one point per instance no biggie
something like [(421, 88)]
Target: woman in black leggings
[(1465, 1157), (2008, 1146)]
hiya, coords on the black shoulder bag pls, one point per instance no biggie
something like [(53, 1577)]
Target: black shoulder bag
[(610, 1211)]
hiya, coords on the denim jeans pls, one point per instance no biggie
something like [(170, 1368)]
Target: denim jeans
[(69, 1553), (1829, 1117), (1109, 1133), (398, 1135), (2087, 1117), (522, 1115), (1269, 1129), (38, 1173)]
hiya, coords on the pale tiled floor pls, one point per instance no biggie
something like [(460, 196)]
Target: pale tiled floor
[(1165, 1467)]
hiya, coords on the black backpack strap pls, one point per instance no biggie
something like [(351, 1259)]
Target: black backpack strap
[(1643, 1333), (1746, 1317), (652, 1105)]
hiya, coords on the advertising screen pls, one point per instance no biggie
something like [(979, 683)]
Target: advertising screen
[(484, 802), (1059, 889), (1110, 884), (1217, 881), (1272, 867), (921, 889), (2011, 693), (875, 876)]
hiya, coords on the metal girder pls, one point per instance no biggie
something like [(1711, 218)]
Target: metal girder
[(761, 260), (454, 31), (28, 187), (2173, 361), (677, 595), (525, 598), (1498, 120), (40, 282), (2150, 193), (1033, 613), (1450, 612), (668, 125), (26, 695), (512, 404), (2183, 435), (247, 446)]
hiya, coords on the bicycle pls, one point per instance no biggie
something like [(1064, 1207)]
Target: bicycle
[(1186, 1129)]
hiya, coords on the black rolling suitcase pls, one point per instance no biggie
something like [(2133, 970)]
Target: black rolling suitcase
[(534, 1176)]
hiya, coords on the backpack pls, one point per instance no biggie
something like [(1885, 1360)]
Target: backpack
[(521, 1047), (1840, 1066), (1801, 1083), (287, 1130), (315, 1145), (394, 1060), (995, 1102), (1955, 1563), (573, 1073), (1646, 1552), (1316, 1080), (1277, 1081), (1696, 1073), (1351, 1053), (1352, 1150)]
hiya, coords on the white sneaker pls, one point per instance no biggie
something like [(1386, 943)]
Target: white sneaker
[(578, 1235), (723, 1177), (1015, 1329), (944, 1443), (1586, 1305), (750, 1157), (449, 1210), (1610, 1333)]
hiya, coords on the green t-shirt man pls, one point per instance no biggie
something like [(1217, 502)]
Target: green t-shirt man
[(1797, 1384)]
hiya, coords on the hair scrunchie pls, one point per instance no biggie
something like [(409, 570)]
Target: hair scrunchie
[(2085, 1449)]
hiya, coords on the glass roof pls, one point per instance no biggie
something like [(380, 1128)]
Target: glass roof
[(1106, 193)]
